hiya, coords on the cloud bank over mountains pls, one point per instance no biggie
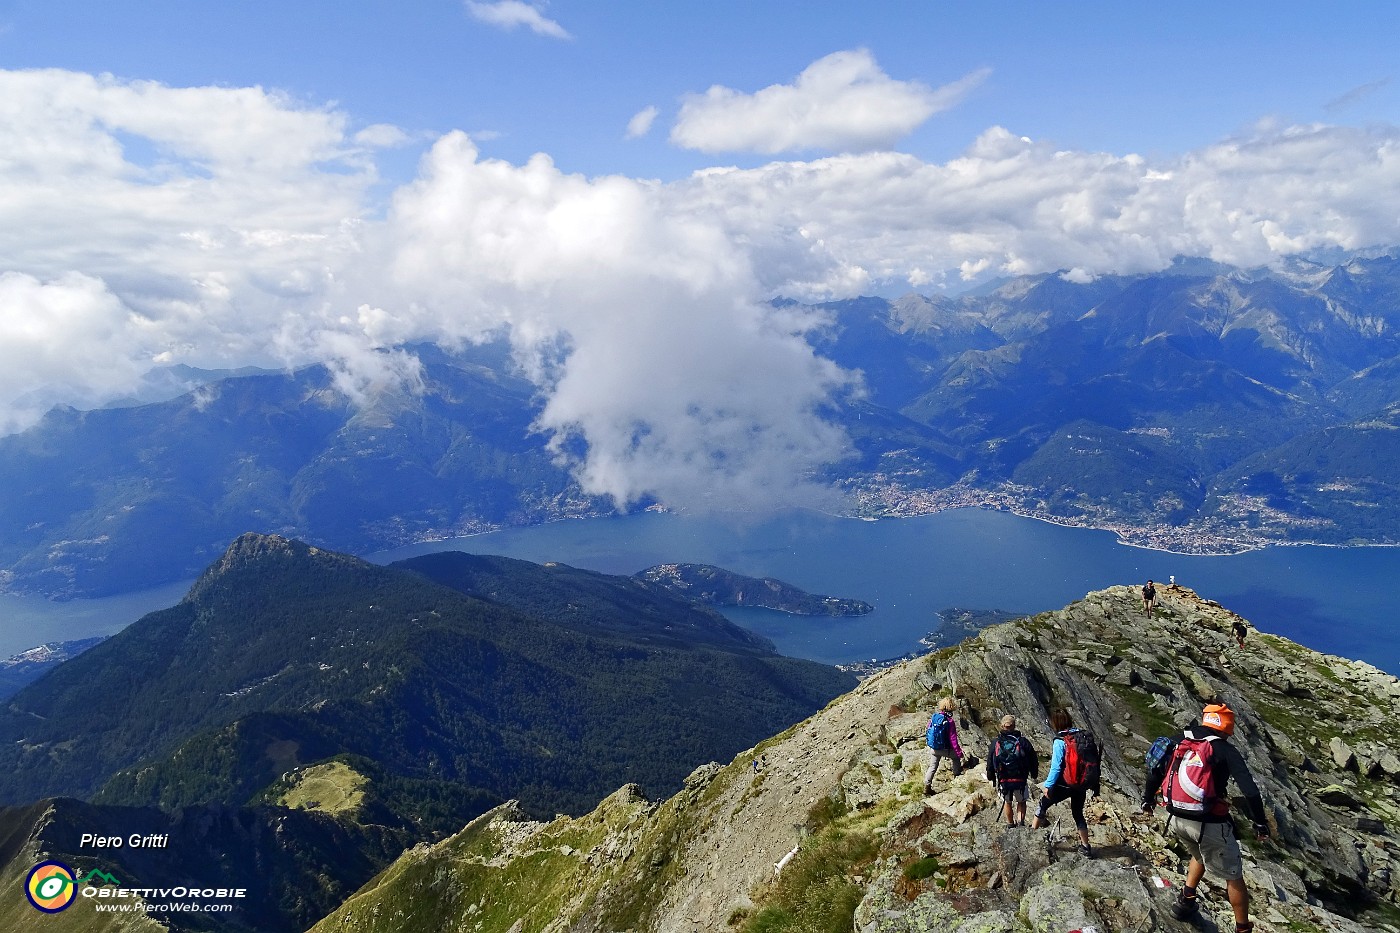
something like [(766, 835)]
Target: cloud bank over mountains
[(145, 224)]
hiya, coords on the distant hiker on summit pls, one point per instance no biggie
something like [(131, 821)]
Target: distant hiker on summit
[(1240, 630), (1192, 775), (943, 741), (1074, 771), (1149, 598), (1011, 764)]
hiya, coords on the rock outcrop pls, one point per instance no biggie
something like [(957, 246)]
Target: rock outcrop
[(827, 826)]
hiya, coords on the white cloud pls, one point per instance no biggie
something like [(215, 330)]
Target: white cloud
[(1009, 205), (382, 136), (842, 102), (68, 340), (641, 122), (136, 227), (509, 14), (680, 382), (144, 223)]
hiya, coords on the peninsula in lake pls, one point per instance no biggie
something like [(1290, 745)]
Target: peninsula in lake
[(716, 586)]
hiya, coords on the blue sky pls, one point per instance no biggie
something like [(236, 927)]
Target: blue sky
[(286, 183), (1100, 76)]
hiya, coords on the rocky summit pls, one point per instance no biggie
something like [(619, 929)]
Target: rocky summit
[(827, 826)]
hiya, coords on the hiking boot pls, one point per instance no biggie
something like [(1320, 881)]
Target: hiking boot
[(1184, 907), (928, 789), (1087, 851)]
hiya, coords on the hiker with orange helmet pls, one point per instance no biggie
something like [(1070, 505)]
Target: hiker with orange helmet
[(1191, 783)]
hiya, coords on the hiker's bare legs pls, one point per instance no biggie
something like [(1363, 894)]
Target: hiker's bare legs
[(1239, 899), (1194, 873)]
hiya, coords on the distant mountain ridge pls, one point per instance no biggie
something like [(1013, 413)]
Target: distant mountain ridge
[(116, 499), (283, 655), (1203, 409)]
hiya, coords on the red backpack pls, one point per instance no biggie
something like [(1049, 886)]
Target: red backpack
[(1190, 788), (1081, 767)]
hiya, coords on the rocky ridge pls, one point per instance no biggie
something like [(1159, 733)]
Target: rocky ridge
[(826, 825)]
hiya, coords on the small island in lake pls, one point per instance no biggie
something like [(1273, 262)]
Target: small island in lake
[(719, 587)]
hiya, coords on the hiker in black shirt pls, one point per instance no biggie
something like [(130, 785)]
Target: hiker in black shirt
[(1192, 780), (1240, 630), (1149, 597), (1012, 764)]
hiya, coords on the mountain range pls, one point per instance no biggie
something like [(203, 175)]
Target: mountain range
[(1203, 408), (389, 749), (302, 716), (453, 680)]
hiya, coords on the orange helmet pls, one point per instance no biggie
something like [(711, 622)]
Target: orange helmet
[(1220, 717)]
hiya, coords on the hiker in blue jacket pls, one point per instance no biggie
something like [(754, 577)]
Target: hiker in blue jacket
[(942, 735), (1074, 771)]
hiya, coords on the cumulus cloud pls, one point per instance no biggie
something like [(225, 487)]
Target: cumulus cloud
[(641, 122), (842, 102), (511, 14), (1009, 206), (107, 351), (137, 227), (144, 223), (678, 381), (382, 136)]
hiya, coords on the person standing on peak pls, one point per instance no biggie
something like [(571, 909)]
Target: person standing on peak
[(1240, 630), (942, 739), (1074, 771), (1012, 764), (1192, 784), (1149, 597)]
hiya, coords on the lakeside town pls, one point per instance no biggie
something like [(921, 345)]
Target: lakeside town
[(1241, 523)]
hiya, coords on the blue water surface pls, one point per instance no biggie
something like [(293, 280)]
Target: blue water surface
[(1333, 599)]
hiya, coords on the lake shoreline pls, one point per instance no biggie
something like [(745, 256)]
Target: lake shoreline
[(1331, 598)]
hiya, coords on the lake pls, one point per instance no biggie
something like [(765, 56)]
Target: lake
[(1332, 599)]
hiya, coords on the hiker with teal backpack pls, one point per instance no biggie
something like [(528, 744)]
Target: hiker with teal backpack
[(1190, 774), (942, 738), (1074, 771), (1012, 764)]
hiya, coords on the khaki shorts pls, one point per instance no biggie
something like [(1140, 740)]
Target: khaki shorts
[(1214, 844), (1015, 793)]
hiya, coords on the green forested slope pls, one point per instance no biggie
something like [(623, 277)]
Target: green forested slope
[(283, 655)]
